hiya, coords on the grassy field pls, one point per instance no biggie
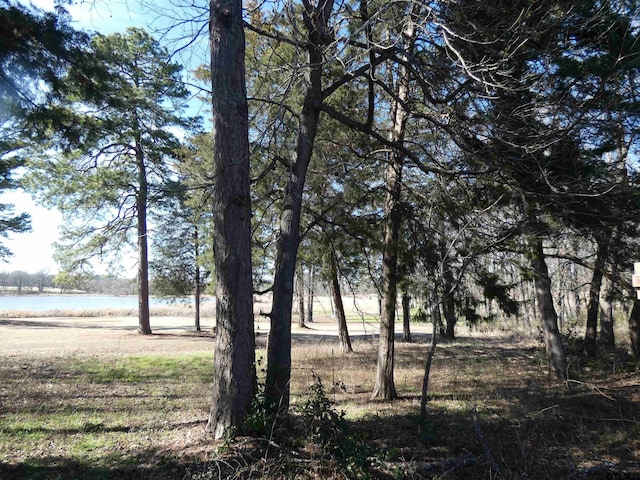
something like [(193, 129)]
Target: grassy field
[(493, 413)]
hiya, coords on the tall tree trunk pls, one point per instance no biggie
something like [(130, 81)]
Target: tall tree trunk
[(198, 281), (333, 307), (234, 375), (300, 294), (196, 301), (406, 317), (424, 396), (595, 286), (384, 387), (634, 328), (449, 304), (607, 337), (534, 302), (336, 294), (311, 294), (437, 318), (144, 324), (279, 343), (548, 317)]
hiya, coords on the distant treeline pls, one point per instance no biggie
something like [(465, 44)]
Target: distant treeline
[(42, 282)]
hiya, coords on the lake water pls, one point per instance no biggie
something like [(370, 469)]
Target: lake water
[(42, 303)]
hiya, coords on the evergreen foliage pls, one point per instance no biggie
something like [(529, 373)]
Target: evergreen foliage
[(36, 48)]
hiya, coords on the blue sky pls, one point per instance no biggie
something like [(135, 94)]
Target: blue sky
[(33, 251)]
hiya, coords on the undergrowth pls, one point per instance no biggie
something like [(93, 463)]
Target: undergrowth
[(493, 413), (313, 435)]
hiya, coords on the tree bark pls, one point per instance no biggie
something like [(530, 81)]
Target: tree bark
[(589, 348), (449, 305), (300, 293), (607, 336), (333, 307), (279, 342), (234, 384), (424, 396), (634, 328), (548, 317), (144, 324), (343, 331), (607, 331), (384, 387), (311, 293), (198, 282), (406, 317)]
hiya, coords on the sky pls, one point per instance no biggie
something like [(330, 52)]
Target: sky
[(33, 252)]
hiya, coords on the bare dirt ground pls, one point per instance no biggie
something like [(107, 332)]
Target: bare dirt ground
[(118, 334), (98, 335)]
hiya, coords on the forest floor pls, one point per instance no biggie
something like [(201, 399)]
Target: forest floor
[(90, 398)]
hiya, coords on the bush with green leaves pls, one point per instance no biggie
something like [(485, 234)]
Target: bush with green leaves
[(329, 429)]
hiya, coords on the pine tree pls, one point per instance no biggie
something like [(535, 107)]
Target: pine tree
[(110, 152)]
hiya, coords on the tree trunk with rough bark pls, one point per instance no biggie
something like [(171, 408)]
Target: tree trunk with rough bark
[(144, 323), (424, 396), (279, 343), (589, 348), (449, 305), (336, 294), (300, 294), (607, 336), (311, 294), (406, 317), (548, 317), (384, 387), (196, 300), (634, 328), (234, 375), (198, 281)]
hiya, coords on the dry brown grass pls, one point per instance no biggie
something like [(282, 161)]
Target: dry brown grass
[(493, 410), (493, 414)]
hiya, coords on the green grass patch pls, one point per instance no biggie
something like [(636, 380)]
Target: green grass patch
[(144, 368), (98, 417)]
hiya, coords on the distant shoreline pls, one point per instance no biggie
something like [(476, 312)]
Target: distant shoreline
[(47, 304), (15, 291), (63, 294)]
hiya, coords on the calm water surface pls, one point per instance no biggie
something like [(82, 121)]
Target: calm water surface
[(41, 303)]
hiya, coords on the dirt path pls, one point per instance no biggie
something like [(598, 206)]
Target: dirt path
[(98, 335), (118, 335), (113, 335)]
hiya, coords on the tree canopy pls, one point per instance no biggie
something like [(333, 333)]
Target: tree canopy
[(466, 154), (110, 149), (36, 47)]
